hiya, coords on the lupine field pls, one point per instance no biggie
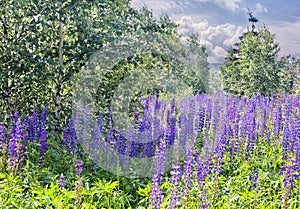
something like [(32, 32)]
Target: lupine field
[(226, 152)]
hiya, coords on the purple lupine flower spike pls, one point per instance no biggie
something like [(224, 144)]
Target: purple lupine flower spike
[(176, 174), (156, 193), (253, 178), (35, 124), (43, 146), (3, 145), (62, 181), (159, 158), (16, 149), (3, 140), (289, 177), (79, 167)]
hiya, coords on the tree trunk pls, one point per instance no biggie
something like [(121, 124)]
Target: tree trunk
[(59, 84)]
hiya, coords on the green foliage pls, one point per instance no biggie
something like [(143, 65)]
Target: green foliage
[(46, 45), (254, 67), (35, 187), (198, 64)]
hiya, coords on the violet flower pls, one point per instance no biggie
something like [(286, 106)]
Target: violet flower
[(79, 167), (175, 179), (188, 169), (253, 178), (289, 178), (43, 146), (16, 149), (62, 181), (3, 140), (35, 124), (3, 145), (156, 194)]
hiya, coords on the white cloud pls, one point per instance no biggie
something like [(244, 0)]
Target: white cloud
[(232, 5), (218, 55), (287, 35), (260, 8), (180, 5), (158, 6), (217, 39), (203, 25)]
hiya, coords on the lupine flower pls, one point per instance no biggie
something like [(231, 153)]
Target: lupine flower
[(29, 128), (183, 123), (219, 154), (253, 178), (188, 169), (289, 177), (156, 194), (201, 120), (62, 181), (220, 151), (43, 118), (110, 131), (3, 141), (16, 149), (121, 144), (251, 128), (170, 130), (72, 135), (202, 171), (3, 145), (160, 158), (277, 119), (79, 167), (176, 174), (297, 146), (43, 146), (69, 138), (263, 117), (159, 161), (286, 136), (206, 131), (35, 124), (288, 183), (215, 117)]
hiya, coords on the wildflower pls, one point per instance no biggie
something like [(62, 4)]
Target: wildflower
[(175, 179), (2, 138), (79, 167), (188, 168), (16, 149), (159, 159), (3, 146), (35, 124), (156, 194), (202, 171), (289, 177), (288, 183), (277, 119), (201, 120), (43, 146), (253, 178), (69, 138), (62, 182)]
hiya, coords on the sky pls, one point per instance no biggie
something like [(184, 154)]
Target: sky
[(219, 23)]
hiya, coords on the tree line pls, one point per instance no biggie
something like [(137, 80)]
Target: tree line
[(45, 45)]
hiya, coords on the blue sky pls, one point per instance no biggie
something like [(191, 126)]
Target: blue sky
[(220, 22)]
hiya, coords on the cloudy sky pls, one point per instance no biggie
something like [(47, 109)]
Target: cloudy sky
[(220, 22)]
